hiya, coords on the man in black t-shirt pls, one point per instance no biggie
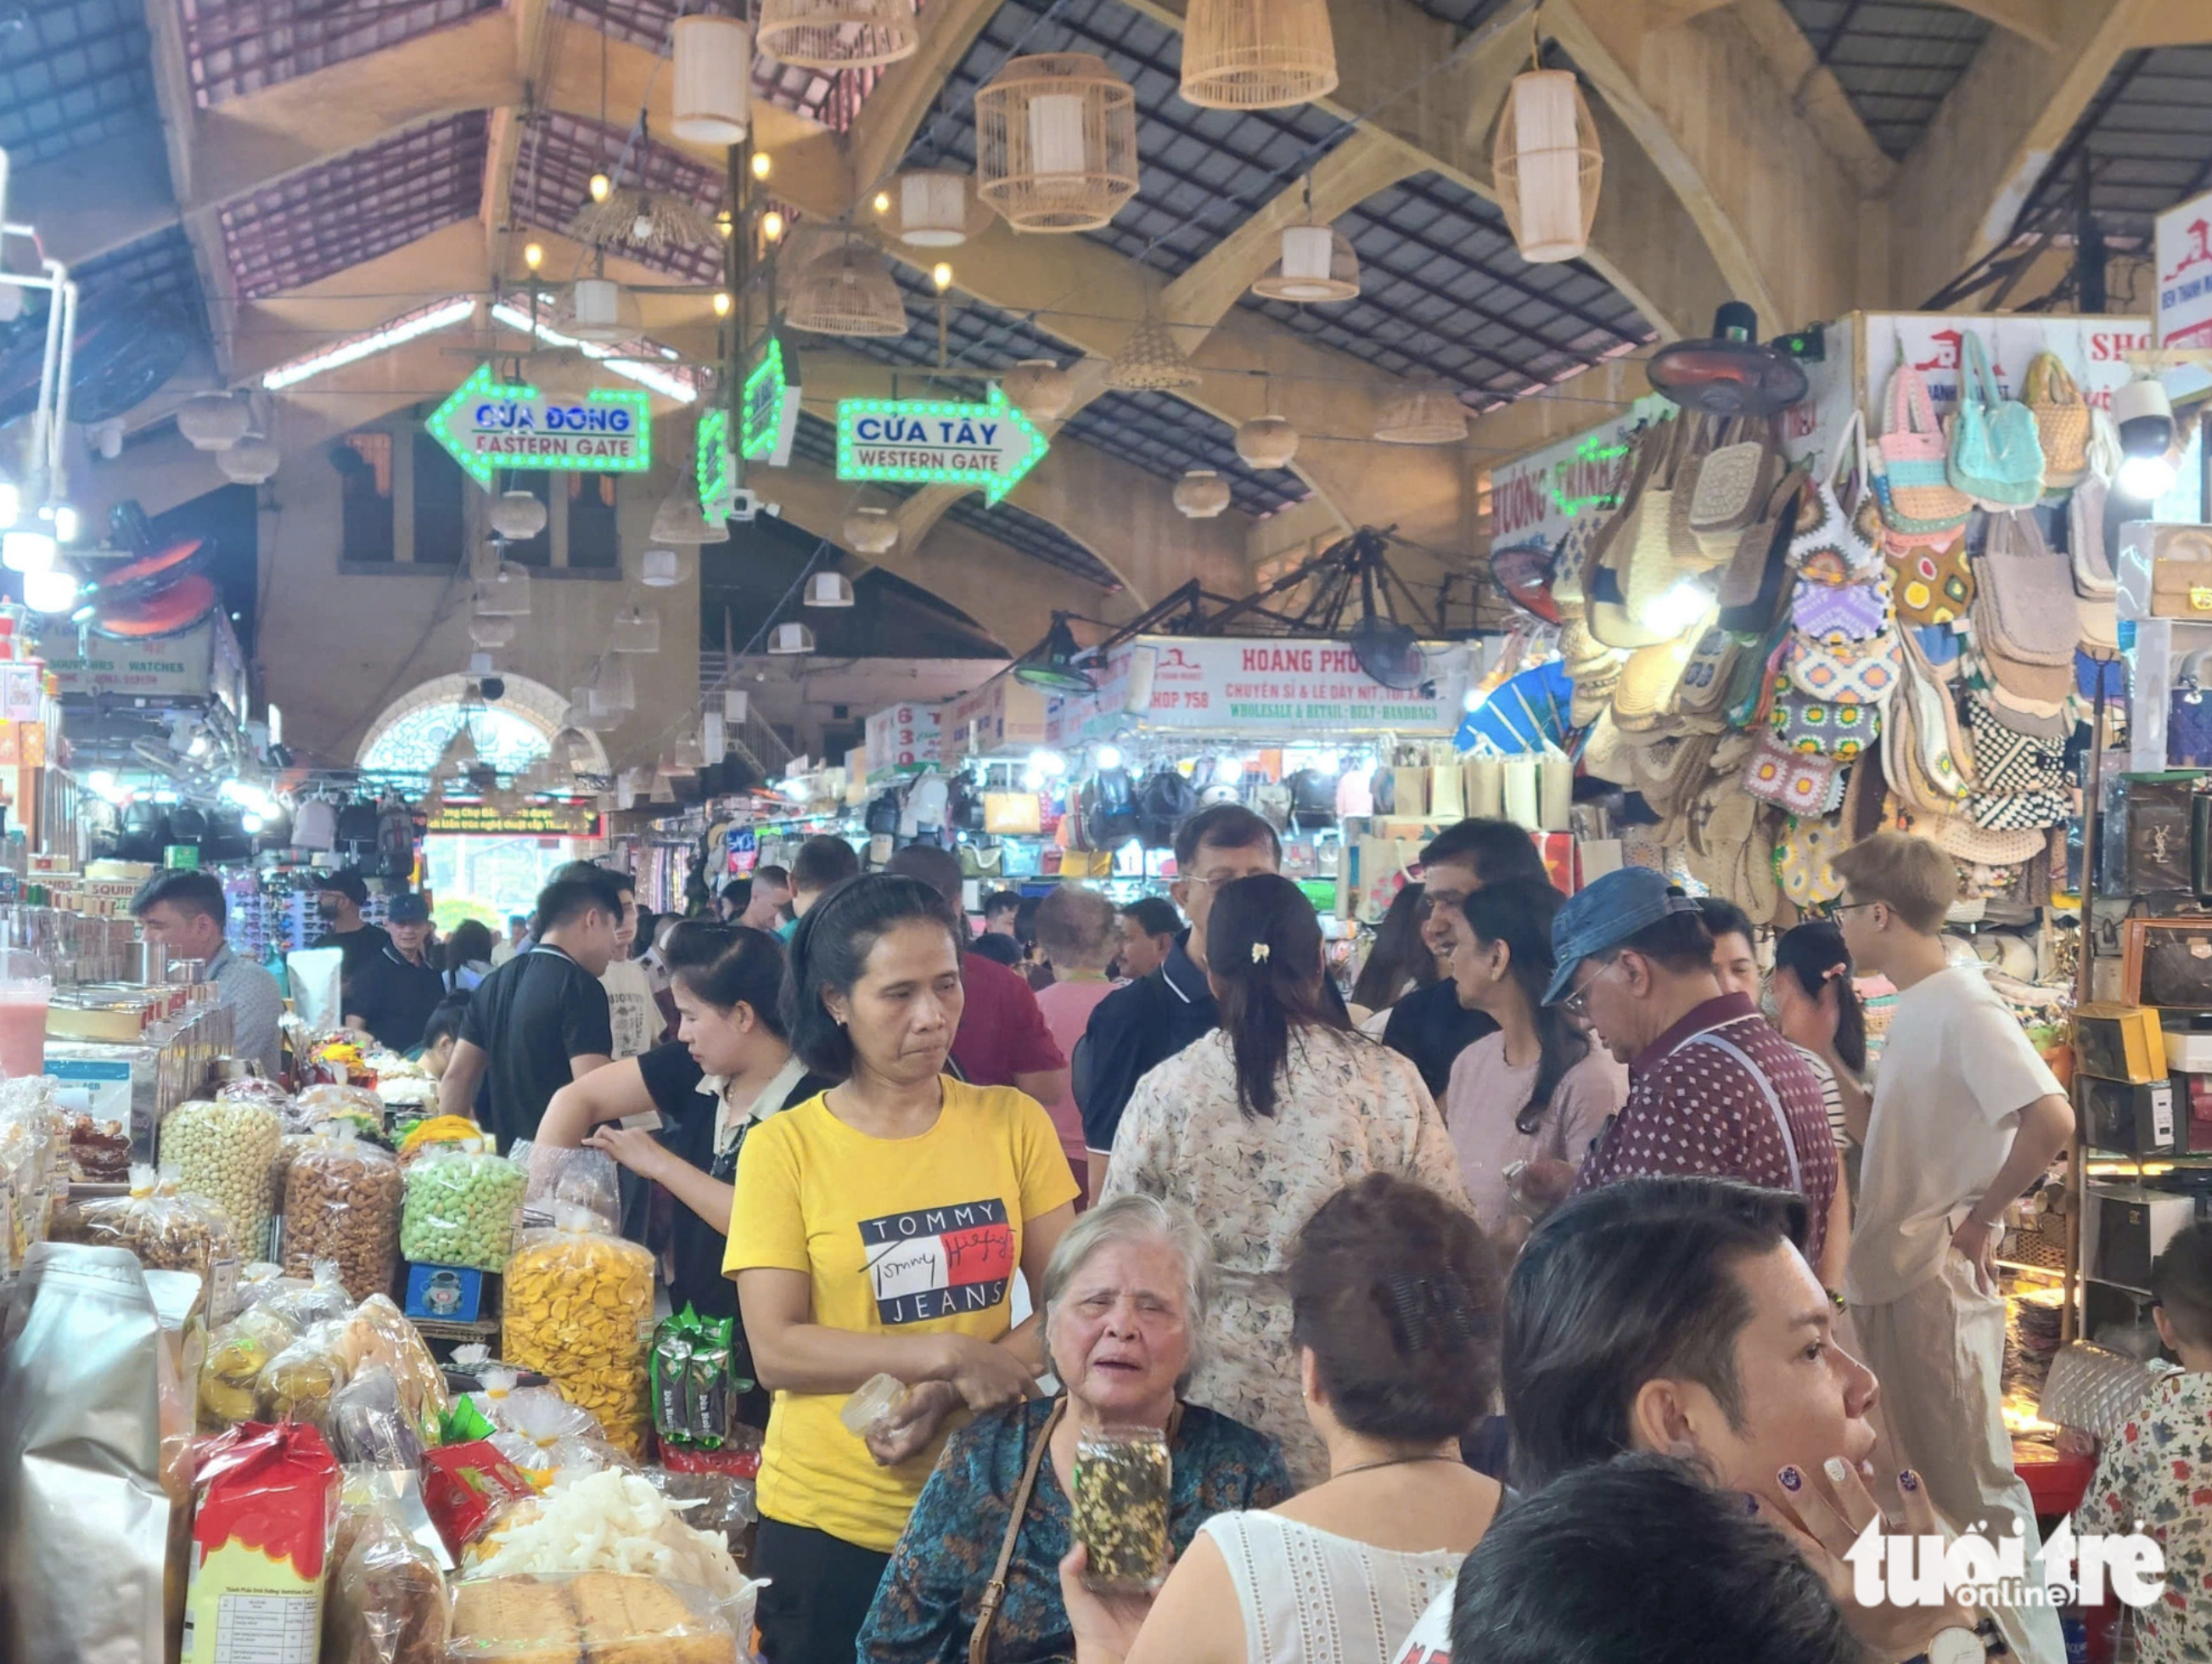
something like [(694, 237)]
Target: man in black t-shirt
[(339, 902), (392, 995), (541, 1019), (1430, 1025)]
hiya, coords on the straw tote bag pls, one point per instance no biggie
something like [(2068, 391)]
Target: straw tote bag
[(2062, 422), (1917, 495)]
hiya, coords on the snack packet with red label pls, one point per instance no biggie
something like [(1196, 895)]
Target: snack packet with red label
[(268, 1504), (466, 1487)]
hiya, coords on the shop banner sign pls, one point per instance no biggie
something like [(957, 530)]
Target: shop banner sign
[(486, 426), (183, 665), (1286, 690), (1001, 716), (2093, 350), (525, 821), (2184, 247), (902, 739), (1534, 499), (929, 442)]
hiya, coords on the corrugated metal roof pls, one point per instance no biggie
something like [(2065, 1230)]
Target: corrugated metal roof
[(553, 174), (157, 269), (320, 221), (981, 340), (2147, 138), (234, 46), (73, 72), (1162, 434), (1443, 292), (1896, 59)]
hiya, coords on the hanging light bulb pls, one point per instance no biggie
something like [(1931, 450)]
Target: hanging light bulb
[(600, 186), (533, 255), (50, 591), (882, 203), (941, 275), (771, 225), (721, 303), (761, 164)]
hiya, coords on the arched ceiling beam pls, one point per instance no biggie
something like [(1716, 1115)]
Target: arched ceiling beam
[(891, 119), (1995, 135)]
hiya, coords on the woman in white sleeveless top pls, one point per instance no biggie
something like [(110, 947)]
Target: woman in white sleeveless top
[(1395, 1301)]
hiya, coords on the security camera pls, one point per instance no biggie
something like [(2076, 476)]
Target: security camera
[(495, 688), (2145, 415)]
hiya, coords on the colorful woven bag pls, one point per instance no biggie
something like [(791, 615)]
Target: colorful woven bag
[(1997, 453), (1917, 496), (1931, 584), (2062, 422), (1847, 673)]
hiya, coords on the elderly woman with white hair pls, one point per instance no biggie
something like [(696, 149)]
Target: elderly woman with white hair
[(1125, 1299)]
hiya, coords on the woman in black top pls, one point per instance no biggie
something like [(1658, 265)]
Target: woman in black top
[(728, 1067)]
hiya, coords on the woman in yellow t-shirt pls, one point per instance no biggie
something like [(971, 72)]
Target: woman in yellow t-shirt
[(877, 1229)]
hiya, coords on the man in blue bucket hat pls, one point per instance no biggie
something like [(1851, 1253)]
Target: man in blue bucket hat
[(1713, 1089)]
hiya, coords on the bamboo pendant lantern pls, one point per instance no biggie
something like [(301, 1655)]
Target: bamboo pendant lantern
[(1040, 388), (1151, 362), (838, 34), (713, 79), (1267, 442), (1548, 165), (847, 291), (1056, 142), (1424, 416), (933, 208), (1202, 494), (1257, 54), (871, 531), (1318, 265)]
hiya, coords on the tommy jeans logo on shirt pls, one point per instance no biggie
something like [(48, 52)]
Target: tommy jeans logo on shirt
[(939, 1262)]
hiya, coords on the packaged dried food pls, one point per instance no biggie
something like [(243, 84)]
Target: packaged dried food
[(579, 1302), (461, 1207), (99, 1149), (576, 1178), (428, 1134), (378, 1332), (1120, 1508), (237, 1353), (368, 1426), (321, 1299), (342, 1197), (331, 1101), (466, 1487), (268, 1500), (297, 1383), (546, 1437), (256, 1089), (226, 1152), (387, 1602), (610, 1522), (607, 1617), (168, 1231)]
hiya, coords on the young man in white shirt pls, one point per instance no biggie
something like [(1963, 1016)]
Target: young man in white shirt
[(1966, 1117)]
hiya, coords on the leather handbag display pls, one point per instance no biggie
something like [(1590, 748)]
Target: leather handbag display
[(2062, 422), (1917, 495), (1997, 453)]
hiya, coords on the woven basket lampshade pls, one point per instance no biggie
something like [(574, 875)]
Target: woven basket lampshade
[(1548, 165), (846, 291), (1257, 54), (634, 631), (713, 80), (934, 208), (790, 640), (1202, 494), (490, 630), (828, 589), (1056, 142), (213, 421), (600, 309), (677, 521), (1040, 387), (660, 569), (1151, 362), (838, 34), (1318, 263), (505, 593), (613, 688), (250, 462), (1267, 442), (871, 531), (518, 516), (1425, 416)]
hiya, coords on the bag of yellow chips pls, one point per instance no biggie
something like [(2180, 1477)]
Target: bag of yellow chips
[(578, 1310)]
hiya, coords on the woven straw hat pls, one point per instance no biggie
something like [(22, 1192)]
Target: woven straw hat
[(1647, 685)]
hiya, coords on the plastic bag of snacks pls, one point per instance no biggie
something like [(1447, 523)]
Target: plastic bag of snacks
[(546, 1436), (226, 1152), (297, 1383), (609, 1616), (321, 1299), (387, 1602), (268, 1502), (99, 1149), (34, 1164), (342, 1203), (427, 1135), (168, 1231), (576, 1178), (461, 1208), (609, 1521), (467, 1487), (694, 1397), (368, 1425), (1120, 1509), (379, 1333), (255, 1089), (237, 1353), (578, 1301), (332, 1102)]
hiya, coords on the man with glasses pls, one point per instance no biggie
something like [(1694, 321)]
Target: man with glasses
[(1713, 1089), (1430, 1025), (1137, 1029)]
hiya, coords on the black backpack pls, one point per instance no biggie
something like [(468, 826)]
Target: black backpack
[(1313, 799), (884, 813), (1165, 802), (1110, 815)]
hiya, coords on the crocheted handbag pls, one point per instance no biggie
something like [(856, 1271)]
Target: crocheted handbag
[(2062, 422), (1917, 495), (1996, 455), (1847, 673), (1931, 583)]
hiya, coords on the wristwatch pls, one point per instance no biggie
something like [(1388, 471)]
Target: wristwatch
[(1955, 1645)]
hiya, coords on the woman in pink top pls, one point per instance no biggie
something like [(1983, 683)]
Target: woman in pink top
[(1537, 1092), (1076, 930)]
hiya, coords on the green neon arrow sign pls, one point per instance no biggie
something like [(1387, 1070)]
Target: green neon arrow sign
[(714, 461), (927, 443), (486, 426)]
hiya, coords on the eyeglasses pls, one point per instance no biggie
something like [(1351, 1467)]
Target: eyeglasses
[(1577, 1004), (1831, 910)]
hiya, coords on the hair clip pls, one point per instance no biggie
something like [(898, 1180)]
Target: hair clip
[(1259, 953)]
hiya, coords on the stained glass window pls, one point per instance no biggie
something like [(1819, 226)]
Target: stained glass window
[(412, 743)]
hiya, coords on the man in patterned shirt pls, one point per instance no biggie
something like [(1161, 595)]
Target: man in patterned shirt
[(1712, 1087)]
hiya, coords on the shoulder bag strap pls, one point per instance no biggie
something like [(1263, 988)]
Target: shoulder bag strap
[(1766, 1090), (987, 1611)]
